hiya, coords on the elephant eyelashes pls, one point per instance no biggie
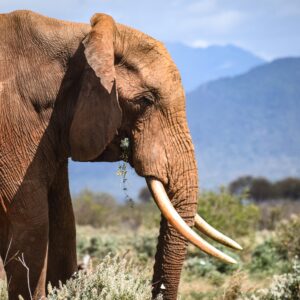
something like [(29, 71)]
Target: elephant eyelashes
[(142, 102), (141, 106), (148, 101)]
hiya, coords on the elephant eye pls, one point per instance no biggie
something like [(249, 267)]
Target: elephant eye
[(143, 102), (147, 100)]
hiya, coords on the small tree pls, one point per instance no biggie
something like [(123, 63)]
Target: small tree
[(288, 188), (240, 185), (261, 189)]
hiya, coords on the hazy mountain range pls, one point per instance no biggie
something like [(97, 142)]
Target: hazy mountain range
[(245, 124), (199, 65), (248, 124)]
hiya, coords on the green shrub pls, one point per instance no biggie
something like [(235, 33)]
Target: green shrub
[(275, 255), (283, 287), (98, 246), (213, 269), (267, 260), (102, 210), (150, 214), (140, 244), (95, 209), (113, 279), (223, 267), (145, 246), (216, 278), (197, 266), (287, 237), (228, 213)]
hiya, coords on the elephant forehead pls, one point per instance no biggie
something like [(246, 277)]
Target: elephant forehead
[(143, 52)]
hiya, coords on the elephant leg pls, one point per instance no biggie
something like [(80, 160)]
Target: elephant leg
[(26, 244), (62, 261)]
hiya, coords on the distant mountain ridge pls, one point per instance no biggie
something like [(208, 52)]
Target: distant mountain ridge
[(199, 65), (248, 124)]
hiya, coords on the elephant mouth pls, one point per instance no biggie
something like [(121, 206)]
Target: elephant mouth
[(113, 152), (169, 212)]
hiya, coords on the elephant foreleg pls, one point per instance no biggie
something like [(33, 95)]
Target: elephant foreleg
[(26, 243), (62, 262)]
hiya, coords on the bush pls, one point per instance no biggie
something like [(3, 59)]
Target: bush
[(216, 278), (267, 260), (209, 267), (113, 279), (197, 266), (145, 246), (223, 267), (228, 213), (275, 255), (102, 210), (283, 287), (287, 237), (98, 247), (96, 209)]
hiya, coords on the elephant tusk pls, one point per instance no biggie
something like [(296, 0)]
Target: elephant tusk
[(213, 233), (169, 212)]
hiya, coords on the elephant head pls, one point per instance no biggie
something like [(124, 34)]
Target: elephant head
[(131, 88)]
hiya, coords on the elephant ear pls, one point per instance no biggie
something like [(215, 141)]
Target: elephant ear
[(97, 114)]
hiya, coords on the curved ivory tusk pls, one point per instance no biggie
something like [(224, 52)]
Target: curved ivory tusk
[(169, 212), (213, 233)]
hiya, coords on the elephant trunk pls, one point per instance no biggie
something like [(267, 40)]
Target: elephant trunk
[(171, 249), (178, 204)]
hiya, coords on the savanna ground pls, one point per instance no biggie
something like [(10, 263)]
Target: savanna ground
[(121, 241)]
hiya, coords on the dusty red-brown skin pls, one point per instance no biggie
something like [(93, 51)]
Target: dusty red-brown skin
[(72, 90)]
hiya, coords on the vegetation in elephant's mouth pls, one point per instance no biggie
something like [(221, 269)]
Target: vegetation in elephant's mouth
[(123, 168)]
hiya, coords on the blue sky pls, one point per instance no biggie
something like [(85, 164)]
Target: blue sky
[(269, 28)]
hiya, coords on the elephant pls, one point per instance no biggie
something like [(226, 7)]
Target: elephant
[(74, 90)]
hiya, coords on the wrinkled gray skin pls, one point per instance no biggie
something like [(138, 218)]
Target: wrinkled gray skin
[(75, 90)]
